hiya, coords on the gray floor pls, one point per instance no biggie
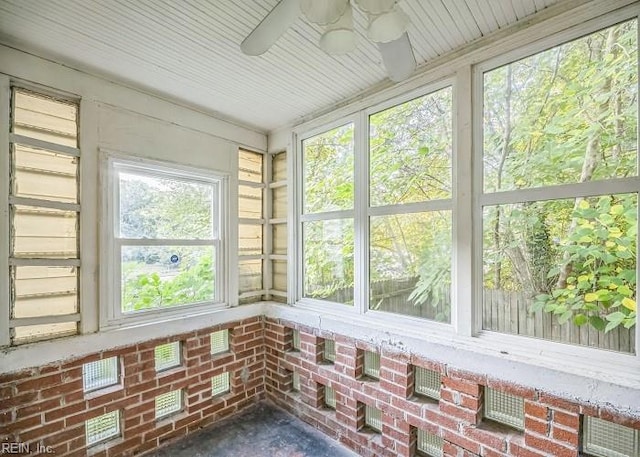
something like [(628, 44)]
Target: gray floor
[(261, 431)]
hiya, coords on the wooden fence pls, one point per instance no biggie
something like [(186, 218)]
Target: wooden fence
[(503, 311)]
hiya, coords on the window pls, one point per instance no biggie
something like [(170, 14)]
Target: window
[(44, 212), (278, 225), (220, 341), (100, 374), (169, 403), (429, 444), (427, 383), (504, 408), (220, 384), (168, 356), (560, 192), (410, 153), (606, 439), (328, 215), (408, 222), (251, 226), (103, 428), (166, 239), (373, 418), (372, 364)]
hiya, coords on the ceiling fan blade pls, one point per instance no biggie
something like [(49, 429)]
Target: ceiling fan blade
[(398, 58), (271, 28)]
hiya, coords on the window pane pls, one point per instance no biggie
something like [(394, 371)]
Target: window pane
[(161, 276), (328, 260), (153, 207), (43, 174), (44, 233), (44, 118), (410, 151), (279, 203), (249, 202), (279, 269), (328, 170), (29, 333), (249, 166), (249, 239), (44, 291), (565, 115), (410, 258), (250, 278), (563, 270), (279, 239)]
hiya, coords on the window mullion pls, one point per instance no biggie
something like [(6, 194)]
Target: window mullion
[(164, 242), (462, 312), (5, 296), (361, 208)]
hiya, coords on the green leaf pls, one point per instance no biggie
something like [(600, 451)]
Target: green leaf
[(580, 320), (565, 317), (597, 322), (590, 297)]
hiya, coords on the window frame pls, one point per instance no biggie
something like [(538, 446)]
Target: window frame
[(8, 87), (265, 227), (467, 200), (362, 212), (112, 162), (546, 193), (302, 218)]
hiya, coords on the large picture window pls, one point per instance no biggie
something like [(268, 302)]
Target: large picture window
[(410, 152), (560, 201), (166, 237), (402, 223), (327, 228)]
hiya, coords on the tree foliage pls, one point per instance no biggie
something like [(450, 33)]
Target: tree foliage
[(567, 115)]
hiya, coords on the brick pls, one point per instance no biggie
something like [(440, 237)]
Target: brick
[(464, 414), (569, 437), (461, 385), (549, 446), (536, 410), (558, 403), (534, 425), (37, 408)]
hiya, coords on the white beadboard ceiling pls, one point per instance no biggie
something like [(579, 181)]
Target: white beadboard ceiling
[(189, 49)]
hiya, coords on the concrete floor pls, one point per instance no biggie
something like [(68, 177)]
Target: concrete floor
[(261, 431)]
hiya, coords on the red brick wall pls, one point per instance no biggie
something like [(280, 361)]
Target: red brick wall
[(552, 424), (47, 405)]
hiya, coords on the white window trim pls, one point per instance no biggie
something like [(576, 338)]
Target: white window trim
[(467, 201), (263, 222), (111, 315)]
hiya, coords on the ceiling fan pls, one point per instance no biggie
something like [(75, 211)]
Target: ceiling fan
[(387, 28)]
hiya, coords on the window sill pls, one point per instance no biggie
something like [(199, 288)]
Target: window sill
[(580, 373), (16, 358)]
